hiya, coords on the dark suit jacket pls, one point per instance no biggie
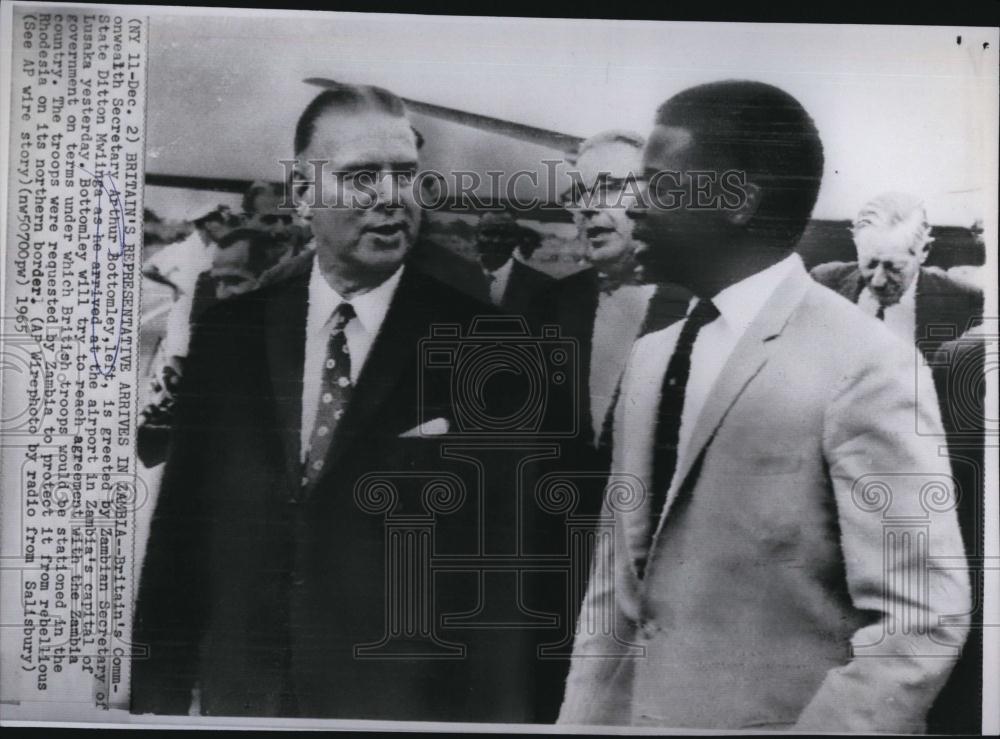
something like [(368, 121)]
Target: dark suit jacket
[(446, 266), (959, 367), (263, 599), (945, 308), (524, 287)]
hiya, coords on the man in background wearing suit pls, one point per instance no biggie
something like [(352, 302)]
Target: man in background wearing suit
[(759, 582), (268, 588), (959, 367), (606, 306), (512, 285), (889, 281)]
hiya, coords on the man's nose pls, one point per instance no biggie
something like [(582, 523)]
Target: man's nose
[(387, 191), (879, 277), (636, 209)]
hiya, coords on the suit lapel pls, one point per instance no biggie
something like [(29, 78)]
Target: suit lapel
[(748, 357), (285, 340), (393, 352)]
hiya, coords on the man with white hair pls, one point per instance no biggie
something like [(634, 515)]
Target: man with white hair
[(889, 281)]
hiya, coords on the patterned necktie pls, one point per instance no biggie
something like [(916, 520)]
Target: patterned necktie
[(880, 313), (668, 422), (334, 393)]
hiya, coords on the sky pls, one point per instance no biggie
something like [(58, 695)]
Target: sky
[(898, 108)]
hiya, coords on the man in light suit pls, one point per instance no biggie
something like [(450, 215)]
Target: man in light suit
[(889, 281), (762, 576), (606, 307), (269, 586)]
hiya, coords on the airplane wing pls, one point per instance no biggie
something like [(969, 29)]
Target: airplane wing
[(561, 142)]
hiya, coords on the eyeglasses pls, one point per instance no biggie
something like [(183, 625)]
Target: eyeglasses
[(606, 192)]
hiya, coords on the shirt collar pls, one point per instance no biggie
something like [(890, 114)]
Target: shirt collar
[(606, 284), (740, 303), (369, 307), (909, 296), (501, 272)]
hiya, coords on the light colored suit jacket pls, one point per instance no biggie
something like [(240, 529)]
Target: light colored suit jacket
[(807, 571)]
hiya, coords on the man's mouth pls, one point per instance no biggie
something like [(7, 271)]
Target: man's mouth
[(386, 229), (595, 233), (886, 290)]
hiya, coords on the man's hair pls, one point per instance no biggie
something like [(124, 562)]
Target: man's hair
[(614, 136), (258, 187), (501, 210), (763, 131), (348, 99), (898, 211)]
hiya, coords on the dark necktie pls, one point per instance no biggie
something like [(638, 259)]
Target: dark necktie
[(668, 421), (880, 313), (334, 393)]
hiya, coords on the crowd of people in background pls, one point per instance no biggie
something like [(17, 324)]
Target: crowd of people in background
[(221, 253)]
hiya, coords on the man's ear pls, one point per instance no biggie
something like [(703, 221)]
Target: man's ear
[(303, 189), (741, 214), (925, 251)]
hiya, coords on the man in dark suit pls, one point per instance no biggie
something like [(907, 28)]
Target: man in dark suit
[(762, 581), (889, 281), (959, 368), (242, 257), (308, 480), (510, 284)]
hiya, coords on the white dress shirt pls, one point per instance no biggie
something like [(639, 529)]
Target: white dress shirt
[(738, 305), (901, 317), (498, 281), (617, 321), (369, 308)]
